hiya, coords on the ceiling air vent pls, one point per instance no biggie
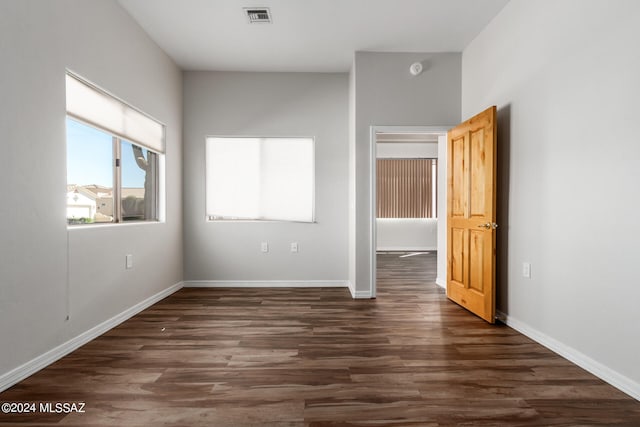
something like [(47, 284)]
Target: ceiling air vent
[(258, 14)]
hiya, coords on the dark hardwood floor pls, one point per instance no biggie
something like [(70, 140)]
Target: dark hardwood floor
[(315, 357)]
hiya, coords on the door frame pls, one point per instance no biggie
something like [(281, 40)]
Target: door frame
[(373, 130)]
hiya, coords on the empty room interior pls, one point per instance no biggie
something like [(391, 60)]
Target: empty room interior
[(308, 213)]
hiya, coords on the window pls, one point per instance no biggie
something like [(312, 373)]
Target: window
[(260, 179), (113, 158), (406, 188)]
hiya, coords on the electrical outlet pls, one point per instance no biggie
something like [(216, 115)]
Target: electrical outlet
[(128, 261), (264, 247), (526, 270), (294, 246)]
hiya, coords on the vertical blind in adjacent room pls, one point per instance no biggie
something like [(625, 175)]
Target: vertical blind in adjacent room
[(405, 188)]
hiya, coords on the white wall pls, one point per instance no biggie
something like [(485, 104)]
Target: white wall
[(564, 75), (387, 95), (269, 104), (47, 273), (352, 248), (407, 150), (406, 234)]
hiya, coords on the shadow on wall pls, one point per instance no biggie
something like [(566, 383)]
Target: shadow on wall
[(502, 236)]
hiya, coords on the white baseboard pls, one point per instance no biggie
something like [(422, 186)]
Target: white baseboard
[(31, 367), (358, 294), (601, 371), (442, 283), (361, 294), (266, 283), (406, 249)]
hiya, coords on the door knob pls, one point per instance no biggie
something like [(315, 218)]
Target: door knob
[(489, 225)]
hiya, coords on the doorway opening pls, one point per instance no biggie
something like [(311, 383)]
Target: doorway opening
[(408, 224)]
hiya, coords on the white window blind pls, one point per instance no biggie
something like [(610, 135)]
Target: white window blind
[(260, 178), (96, 107)]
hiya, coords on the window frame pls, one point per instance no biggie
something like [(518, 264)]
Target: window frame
[(116, 167), (157, 170)]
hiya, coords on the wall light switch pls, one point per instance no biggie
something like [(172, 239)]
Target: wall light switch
[(264, 247), (526, 270), (294, 247), (129, 261)]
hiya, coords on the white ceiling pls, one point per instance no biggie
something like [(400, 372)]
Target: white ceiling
[(306, 35)]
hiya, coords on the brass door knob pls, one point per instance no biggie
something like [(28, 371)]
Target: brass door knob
[(489, 225)]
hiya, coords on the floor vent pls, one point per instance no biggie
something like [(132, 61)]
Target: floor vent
[(258, 15)]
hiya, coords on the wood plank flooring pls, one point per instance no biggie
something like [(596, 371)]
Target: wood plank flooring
[(315, 357)]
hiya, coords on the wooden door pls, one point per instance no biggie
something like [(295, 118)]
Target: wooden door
[(471, 214)]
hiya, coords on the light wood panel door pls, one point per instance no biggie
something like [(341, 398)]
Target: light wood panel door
[(471, 214)]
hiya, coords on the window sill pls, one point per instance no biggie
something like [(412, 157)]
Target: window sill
[(259, 221), (112, 225)]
